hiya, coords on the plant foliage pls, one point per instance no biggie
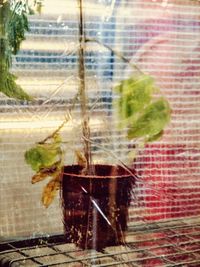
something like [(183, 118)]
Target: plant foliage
[(46, 160), (13, 26), (140, 110)]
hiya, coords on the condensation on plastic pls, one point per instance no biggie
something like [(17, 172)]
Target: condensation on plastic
[(163, 38)]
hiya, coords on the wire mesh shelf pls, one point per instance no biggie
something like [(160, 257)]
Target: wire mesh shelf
[(163, 244)]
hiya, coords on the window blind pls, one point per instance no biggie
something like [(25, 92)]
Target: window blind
[(162, 38)]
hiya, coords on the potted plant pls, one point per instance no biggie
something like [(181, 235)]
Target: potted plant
[(96, 197)]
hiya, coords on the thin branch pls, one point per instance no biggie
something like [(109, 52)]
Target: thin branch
[(56, 91), (118, 54), (67, 118), (55, 132)]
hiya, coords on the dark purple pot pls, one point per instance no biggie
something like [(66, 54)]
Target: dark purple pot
[(95, 208)]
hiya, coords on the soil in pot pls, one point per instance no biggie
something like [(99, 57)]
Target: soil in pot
[(95, 208)]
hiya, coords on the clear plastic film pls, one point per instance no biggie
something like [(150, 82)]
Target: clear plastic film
[(126, 192)]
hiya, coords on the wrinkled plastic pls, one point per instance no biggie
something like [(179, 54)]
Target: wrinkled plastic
[(162, 38)]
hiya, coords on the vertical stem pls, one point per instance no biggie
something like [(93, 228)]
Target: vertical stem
[(82, 89)]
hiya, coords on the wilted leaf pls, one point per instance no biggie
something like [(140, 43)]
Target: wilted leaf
[(44, 173), (39, 176), (50, 191), (47, 159)]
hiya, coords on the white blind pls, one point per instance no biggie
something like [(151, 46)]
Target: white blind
[(162, 38)]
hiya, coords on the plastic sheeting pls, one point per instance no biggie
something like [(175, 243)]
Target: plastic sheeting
[(162, 37)]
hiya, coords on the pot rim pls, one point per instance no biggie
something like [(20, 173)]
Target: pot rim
[(106, 176)]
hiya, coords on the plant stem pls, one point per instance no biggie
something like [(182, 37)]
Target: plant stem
[(110, 153), (82, 90)]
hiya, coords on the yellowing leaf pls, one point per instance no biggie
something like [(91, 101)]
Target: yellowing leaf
[(44, 173), (50, 191), (47, 159)]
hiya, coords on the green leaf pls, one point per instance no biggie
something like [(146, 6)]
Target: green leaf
[(12, 32), (135, 94), (42, 156), (10, 88), (16, 29), (151, 121)]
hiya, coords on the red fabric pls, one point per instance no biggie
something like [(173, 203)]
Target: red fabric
[(169, 192)]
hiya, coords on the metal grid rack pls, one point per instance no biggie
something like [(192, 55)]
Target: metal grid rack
[(163, 244)]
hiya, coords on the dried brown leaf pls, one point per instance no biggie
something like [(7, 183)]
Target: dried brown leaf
[(43, 173), (50, 191), (39, 176)]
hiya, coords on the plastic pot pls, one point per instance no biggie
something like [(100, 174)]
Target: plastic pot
[(95, 208)]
